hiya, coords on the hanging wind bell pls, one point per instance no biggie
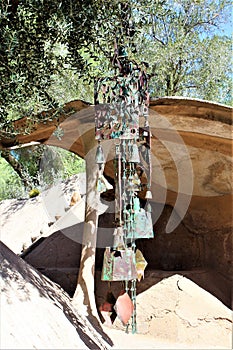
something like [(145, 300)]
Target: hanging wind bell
[(102, 184), (99, 157), (120, 101)]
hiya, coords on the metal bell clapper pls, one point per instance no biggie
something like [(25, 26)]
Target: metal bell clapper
[(99, 157), (124, 196), (146, 131)]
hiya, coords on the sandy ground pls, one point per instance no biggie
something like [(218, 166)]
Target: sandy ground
[(176, 313), (138, 341)]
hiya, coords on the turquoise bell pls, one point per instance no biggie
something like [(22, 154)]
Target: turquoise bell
[(136, 204)]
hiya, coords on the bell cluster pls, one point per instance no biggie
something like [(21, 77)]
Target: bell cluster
[(121, 105)]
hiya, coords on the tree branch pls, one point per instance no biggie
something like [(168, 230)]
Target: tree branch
[(190, 27), (18, 168), (153, 32)]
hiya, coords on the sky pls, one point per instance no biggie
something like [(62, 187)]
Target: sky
[(228, 26)]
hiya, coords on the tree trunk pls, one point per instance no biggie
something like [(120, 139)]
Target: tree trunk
[(84, 296), (18, 168)]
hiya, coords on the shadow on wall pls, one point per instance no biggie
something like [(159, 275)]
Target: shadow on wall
[(58, 256), (21, 279)]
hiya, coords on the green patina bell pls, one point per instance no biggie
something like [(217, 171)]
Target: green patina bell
[(136, 204), (134, 156), (103, 185), (148, 208), (99, 157), (100, 186)]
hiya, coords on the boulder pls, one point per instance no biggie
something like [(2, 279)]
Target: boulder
[(38, 314)]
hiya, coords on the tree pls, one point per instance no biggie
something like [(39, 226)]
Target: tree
[(50, 52), (84, 296), (37, 166), (47, 47), (40, 40), (214, 74), (18, 167), (180, 40), (11, 183)]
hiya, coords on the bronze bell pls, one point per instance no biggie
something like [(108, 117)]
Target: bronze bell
[(103, 185), (148, 194), (99, 157), (148, 208), (134, 154)]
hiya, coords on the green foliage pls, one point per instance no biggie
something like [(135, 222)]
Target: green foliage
[(57, 164), (10, 183), (39, 40), (45, 165), (29, 157), (67, 87), (47, 46), (27, 56), (51, 49), (72, 164), (213, 79), (186, 56)]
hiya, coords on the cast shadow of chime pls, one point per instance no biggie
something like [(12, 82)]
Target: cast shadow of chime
[(58, 257), (179, 252)]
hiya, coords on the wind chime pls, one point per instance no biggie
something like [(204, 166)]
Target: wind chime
[(121, 102)]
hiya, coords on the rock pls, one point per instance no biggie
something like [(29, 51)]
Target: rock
[(177, 310), (38, 314), (75, 198), (39, 214)]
